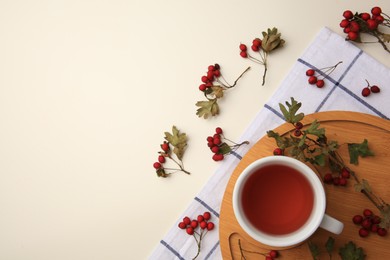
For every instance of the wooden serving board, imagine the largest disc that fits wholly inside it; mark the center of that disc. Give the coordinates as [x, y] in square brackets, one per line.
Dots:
[342, 202]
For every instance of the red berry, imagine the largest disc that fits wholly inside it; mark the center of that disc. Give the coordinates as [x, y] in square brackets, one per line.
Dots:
[218, 157]
[278, 151]
[157, 165]
[215, 149]
[352, 36]
[382, 232]
[161, 159]
[348, 14]
[205, 79]
[312, 80]
[273, 253]
[165, 146]
[365, 16]
[375, 89]
[257, 42]
[343, 182]
[209, 139]
[211, 68]
[328, 178]
[210, 75]
[345, 173]
[203, 224]
[366, 223]
[190, 231]
[210, 226]
[297, 132]
[376, 220]
[357, 219]
[344, 23]
[243, 54]
[374, 228]
[202, 87]
[207, 215]
[217, 73]
[182, 225]
[298, 125]
[243, 47]
[376, 10]
[367, 213]
[194, 223]
[363, 232]
[268, 257]
[379, 19]
[366, 92]
[355, 27]
[255, 48]
[310, 72]
[320, 83]
[372, 24]
[347, 30]
[217, 141]
[216, 66]
[218, 130]
[200, 218]
[336, 181]
[186, 220]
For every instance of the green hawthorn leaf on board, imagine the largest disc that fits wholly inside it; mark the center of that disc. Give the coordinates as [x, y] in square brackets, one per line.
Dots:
[319, 159]
[314, 129]
[207, 108]
[329, 245]
[355, 150]
[178, 141]
[281, 142]
[217, 91]
[315, 252]
[351, 252]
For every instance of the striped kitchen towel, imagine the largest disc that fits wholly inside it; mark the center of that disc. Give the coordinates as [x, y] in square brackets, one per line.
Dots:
[342, 91]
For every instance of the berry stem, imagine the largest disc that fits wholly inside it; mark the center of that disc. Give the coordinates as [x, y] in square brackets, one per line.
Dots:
[181, 166]
[265, 68]
[376, 34]
[235, 82]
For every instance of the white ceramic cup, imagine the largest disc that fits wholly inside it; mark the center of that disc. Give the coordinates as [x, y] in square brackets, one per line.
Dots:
[317, 217]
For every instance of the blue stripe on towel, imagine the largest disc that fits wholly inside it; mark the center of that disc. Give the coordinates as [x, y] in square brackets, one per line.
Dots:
[207, 206]
[171, 249]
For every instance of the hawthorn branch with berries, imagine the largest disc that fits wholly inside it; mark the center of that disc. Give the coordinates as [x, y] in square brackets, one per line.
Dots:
[312, 145]
[271, 40]
[355, 24]
[213, 87]
[177, 141]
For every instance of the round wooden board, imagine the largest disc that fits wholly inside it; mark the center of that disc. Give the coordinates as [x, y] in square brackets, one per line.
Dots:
[342, 202]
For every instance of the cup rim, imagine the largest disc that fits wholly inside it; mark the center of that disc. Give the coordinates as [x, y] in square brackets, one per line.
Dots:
[311, 224]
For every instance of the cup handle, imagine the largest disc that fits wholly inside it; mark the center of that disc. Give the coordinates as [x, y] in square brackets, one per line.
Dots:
[331, 224]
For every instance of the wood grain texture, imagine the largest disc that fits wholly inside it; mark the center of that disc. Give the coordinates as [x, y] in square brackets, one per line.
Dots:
[342, 202]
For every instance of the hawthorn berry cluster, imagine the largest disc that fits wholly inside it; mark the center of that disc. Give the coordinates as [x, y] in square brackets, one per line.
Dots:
[369, 222]
[219, 146]
[318, 80]
[213, 87]
[271, 41]
[337, 179]
[197, 227]
[366, 91]
[355, 24]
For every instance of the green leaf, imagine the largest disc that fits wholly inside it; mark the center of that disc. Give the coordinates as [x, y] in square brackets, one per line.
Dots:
[217, 91]
[351, 252]
[290, 113]
[356, 150]
[281, 142]
[207, 108]
[224, 148]
[320, 159]
[329, 245]
[178, 141]
[315, 252]
[161, 173]
[314, 129]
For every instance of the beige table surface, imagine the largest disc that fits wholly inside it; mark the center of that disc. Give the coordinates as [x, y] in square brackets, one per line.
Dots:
[87, 89]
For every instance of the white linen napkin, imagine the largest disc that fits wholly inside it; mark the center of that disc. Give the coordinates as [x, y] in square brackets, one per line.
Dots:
[342, 91]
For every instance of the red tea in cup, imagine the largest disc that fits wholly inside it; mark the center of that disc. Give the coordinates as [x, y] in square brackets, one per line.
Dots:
[277, 199]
